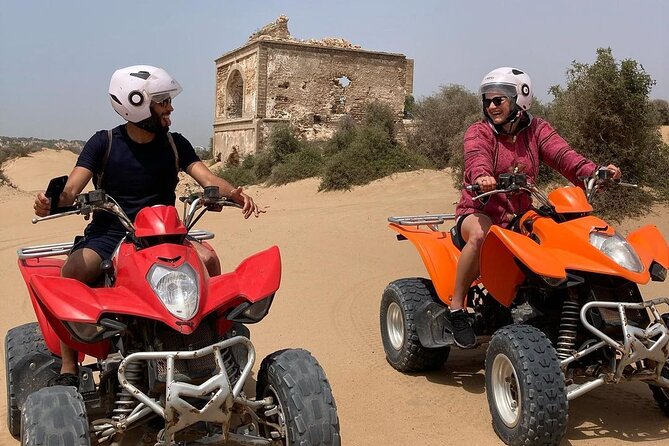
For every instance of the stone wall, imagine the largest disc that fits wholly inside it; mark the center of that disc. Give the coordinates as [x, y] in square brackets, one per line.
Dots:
[314, 87]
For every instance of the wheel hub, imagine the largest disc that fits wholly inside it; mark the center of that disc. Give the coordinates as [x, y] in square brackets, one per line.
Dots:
[506, 389]
[395, 325]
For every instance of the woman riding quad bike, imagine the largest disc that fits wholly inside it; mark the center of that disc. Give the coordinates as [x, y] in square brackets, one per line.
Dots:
[557, 300]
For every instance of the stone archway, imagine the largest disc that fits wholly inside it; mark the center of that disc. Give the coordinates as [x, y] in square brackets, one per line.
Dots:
[235, 95]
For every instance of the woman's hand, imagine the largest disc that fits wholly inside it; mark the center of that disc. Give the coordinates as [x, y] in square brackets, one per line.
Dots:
[486, 183]
[615, 171]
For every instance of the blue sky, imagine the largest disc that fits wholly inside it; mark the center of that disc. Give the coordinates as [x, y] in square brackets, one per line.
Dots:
[56, 57]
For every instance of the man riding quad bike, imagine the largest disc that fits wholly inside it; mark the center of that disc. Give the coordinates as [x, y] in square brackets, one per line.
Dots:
[171, 354]
[557, 301]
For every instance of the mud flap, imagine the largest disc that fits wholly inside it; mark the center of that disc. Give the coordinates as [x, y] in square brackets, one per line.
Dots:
[32, 373]
[433, 326]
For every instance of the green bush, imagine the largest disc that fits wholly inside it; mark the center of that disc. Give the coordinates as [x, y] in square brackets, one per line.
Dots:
[370, 156]
[441, 119]
[237, 175]
[661, 109]
[605, 114]
[306, 163]
[283, 142]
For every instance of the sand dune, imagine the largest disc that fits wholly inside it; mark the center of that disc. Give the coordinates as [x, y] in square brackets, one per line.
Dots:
[338, 256]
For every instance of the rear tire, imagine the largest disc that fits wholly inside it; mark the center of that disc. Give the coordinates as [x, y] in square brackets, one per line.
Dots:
[20, 343]
[401, 299]
[54, 416]
[306, 407]
[525, 387]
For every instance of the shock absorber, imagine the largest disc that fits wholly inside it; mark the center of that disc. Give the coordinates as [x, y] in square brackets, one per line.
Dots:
[231, 366]
[568, 328]
[124, 402]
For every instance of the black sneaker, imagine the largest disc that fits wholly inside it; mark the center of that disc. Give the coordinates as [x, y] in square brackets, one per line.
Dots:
[463, 333]
[64, 379]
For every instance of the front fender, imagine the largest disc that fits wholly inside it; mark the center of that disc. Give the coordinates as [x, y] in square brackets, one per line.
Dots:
[439, 256]
[650, 245]
[500, 273]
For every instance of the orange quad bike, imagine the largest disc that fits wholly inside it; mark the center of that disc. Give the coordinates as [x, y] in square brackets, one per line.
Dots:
[557, 300]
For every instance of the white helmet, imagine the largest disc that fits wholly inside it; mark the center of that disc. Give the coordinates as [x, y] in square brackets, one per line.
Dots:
[510, 82]
[132, 89]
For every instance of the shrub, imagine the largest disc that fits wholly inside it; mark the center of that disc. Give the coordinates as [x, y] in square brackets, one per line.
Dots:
[661, 110]
[605, 114]
[371, 155]
[283, 142]
[441, 119]
[306, 163]
[237, 175]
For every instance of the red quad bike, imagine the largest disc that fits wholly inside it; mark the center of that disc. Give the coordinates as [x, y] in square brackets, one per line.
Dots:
[557, 300]
[173, 353]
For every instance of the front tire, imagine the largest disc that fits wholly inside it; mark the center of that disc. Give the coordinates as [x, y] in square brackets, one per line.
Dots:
[525, 387]
[306, 408]
[399, 304]
[54, 416]
[21, 343]
[661, 394]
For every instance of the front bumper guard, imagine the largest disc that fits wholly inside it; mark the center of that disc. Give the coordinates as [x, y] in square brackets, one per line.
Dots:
[177, 412]
[638, 344]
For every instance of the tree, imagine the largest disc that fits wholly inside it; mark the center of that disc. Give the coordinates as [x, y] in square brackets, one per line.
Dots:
[441, 122]
[605, 114]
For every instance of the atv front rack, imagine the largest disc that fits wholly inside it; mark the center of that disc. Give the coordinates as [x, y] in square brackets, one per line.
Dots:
[649, 346]
[59, 249]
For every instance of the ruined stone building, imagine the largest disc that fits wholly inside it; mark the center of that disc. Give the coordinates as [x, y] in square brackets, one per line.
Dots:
[312, 85]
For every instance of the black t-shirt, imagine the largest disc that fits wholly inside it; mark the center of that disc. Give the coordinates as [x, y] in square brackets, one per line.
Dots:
[135, 175]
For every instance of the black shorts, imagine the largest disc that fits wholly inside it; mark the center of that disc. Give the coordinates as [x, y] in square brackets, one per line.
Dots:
[101, 240]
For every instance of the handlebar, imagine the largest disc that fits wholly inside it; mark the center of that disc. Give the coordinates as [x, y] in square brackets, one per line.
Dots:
[517, 182]
[209, 199]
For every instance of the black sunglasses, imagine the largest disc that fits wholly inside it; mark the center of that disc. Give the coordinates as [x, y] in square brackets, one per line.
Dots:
[497, 100]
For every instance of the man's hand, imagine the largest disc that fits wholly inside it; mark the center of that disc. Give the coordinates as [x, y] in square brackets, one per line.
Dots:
[42, 205]
[248, 206]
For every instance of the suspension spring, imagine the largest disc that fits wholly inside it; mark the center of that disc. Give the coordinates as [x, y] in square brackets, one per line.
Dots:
[231, 366]
[125, 403]
[568, 328]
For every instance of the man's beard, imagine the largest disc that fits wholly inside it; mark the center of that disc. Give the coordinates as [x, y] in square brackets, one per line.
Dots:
[153, 124]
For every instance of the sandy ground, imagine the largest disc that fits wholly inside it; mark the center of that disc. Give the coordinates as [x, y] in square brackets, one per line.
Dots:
[338, 255]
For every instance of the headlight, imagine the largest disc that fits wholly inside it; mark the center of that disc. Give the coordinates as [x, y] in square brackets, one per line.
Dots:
[177, 289]
[618, 249]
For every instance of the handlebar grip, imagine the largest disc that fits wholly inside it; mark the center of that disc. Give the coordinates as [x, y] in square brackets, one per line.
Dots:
[473, 188]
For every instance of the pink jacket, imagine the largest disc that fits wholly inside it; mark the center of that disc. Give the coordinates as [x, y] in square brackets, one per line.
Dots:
[490, 154]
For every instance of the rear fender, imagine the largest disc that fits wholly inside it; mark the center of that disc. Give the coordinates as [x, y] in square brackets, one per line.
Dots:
[500, 273]
[439, 256]
[650, 245]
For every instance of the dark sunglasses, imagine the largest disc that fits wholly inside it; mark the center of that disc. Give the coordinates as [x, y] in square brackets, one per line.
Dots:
[497, 100]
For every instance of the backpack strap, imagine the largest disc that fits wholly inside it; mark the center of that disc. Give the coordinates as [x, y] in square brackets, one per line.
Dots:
[174, 149]
[101, 172]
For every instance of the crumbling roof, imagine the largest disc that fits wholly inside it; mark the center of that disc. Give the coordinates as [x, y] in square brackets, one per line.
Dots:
[278, 30]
